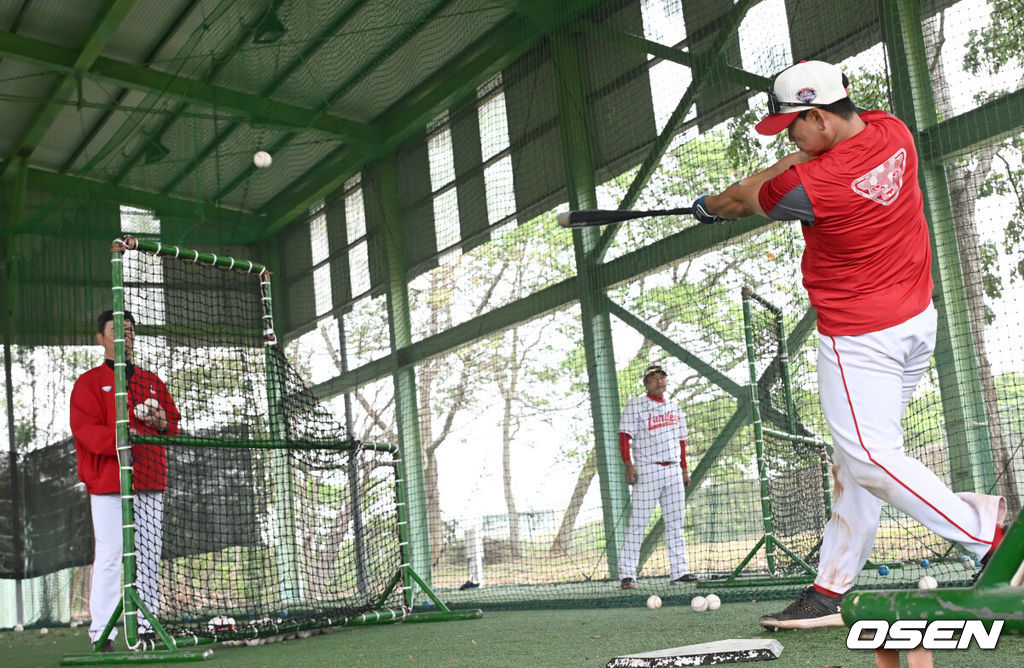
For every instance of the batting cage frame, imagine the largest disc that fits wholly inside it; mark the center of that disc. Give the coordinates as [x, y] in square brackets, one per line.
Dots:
[394, 603]
[788, 431]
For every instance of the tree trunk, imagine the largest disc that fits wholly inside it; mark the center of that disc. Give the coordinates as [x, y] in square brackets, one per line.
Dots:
[508, 394]
[563, 540]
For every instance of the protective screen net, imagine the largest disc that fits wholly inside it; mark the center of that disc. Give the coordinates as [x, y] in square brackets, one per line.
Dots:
[265, 516]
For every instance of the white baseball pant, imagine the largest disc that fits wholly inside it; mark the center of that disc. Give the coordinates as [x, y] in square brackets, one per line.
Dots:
[106, 570]
[865, 383]
[656, 484]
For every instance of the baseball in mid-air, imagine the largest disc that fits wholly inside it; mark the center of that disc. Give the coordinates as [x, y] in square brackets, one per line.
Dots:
[699, 603]
[927, 582]
[262, 159]
[653, 601]
[714, 603]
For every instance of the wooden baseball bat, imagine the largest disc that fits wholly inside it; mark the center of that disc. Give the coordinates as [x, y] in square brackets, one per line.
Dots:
[597, 217]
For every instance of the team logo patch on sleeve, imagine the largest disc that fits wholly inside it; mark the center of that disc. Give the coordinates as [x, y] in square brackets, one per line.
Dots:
[883, 183]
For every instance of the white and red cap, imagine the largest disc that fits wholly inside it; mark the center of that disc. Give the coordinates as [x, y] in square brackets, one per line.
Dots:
[806, 85]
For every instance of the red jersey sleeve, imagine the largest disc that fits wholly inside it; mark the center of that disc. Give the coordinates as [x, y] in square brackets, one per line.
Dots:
[773, 190]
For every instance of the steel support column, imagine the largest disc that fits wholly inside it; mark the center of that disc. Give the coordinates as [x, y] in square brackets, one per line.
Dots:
[597, 329]
[407, 416]
[970, 448]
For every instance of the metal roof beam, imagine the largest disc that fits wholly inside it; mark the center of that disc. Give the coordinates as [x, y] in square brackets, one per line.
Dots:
[128, 165]
[160, 204]
[754, 82]
[991, 122]
[257, 109]
[347, 84]
[106, 24]
[314, 45]
[107, 115]
[459, 78]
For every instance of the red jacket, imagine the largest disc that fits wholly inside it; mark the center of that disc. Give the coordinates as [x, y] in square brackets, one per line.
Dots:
[92, 425]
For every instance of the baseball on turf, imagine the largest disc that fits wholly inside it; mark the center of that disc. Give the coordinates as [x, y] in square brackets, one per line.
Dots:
[714, 603]
[653, 601]
[927, 582]
[262, 159]
[699, 603]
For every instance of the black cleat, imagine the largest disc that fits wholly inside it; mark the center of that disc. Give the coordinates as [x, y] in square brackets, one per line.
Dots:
[627, 583]
[689, 578]
[812, 610]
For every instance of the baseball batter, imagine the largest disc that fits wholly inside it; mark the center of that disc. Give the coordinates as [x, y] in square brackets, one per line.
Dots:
[656, 468]
[867, 270]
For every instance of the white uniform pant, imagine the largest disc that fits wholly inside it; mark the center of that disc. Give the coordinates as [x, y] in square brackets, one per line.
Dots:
[106, 569]
[865, 383]
[656, 484]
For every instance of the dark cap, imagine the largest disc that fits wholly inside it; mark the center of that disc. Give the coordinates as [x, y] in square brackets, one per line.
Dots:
[653, 369]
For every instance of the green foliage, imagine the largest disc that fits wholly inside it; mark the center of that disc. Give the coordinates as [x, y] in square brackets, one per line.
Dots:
[998, 44]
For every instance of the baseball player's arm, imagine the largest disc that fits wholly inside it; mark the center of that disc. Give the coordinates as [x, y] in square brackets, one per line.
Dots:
[87, 420]
[741, 198]
[624, 439]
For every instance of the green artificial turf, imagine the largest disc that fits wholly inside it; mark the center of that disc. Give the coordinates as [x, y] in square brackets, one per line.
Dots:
[524, 638]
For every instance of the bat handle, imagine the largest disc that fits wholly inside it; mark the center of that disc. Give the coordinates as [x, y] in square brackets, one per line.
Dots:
[563, 219]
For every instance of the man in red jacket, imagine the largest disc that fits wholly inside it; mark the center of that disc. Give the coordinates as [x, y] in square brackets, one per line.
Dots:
[867, 269]
[150, 411]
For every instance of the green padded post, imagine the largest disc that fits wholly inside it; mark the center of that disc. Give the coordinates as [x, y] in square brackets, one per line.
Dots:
[124, 447]
[755, 412]
[278, 461]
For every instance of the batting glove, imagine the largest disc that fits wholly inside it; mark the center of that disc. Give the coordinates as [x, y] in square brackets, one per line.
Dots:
[701, 213]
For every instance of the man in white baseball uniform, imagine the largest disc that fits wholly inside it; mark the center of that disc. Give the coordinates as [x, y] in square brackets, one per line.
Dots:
[867, 269]
[657, 471]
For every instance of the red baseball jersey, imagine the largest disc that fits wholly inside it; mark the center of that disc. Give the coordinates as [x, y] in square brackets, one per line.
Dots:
[93, 422]
[867, 261]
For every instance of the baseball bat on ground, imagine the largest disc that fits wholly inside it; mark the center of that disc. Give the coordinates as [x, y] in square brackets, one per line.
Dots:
[597, 217]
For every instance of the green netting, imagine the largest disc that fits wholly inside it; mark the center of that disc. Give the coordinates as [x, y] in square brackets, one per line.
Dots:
[433, 303]
[272, 516]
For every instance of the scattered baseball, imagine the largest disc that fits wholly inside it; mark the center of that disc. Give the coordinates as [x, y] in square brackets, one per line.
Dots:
[714, 603]
[883, 570]
[699, 603]
[43, 631]
[653, 601]
[262, 159]
[927, 582]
